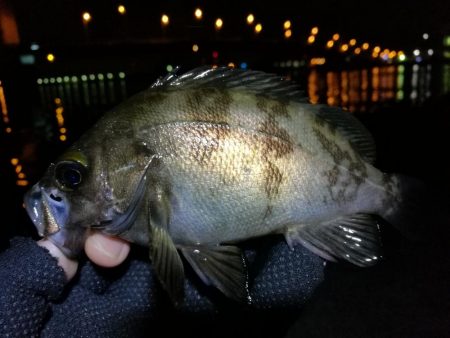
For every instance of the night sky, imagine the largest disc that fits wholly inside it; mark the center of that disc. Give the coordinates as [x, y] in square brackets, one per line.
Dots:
[392, 24]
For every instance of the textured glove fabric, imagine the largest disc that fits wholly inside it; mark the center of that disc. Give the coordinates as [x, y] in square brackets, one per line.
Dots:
[128, 301]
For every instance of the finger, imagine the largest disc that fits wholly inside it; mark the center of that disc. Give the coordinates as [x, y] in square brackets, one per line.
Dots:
[68, 265]
[105, 250]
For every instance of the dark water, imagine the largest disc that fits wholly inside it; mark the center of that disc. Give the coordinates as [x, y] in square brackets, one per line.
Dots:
[406, 107]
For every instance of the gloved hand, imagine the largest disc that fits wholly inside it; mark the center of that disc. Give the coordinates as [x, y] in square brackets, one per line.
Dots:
[128, 301]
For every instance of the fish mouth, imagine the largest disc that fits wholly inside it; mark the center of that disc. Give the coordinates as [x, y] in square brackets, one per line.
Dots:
[48, 209]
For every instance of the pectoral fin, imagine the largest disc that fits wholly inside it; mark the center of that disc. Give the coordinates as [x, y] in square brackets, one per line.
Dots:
[163, 253]
[220, 266]
[354, 238]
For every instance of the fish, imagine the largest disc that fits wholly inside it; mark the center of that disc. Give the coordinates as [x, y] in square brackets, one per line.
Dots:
[203, 161]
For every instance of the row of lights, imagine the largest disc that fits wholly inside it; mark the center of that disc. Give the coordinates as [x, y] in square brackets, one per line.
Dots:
[74, 79]
[18, 168]
[59, 110]
[4, 109]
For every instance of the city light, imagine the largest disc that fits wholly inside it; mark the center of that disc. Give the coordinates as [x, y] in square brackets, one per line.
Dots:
[121, 9]
[357, 51]
[317, 61]
[430, 52]
[377, 49]
[336, 37]
[164, 20]
[195, 48]
[425, 36]
[287, 24]
[169, 68]
[219, 24]
[330, 44]
[311, 39]
[14, 161]
[365, 46]
[250, 19]
[50, 57]
[416, 52]
[258, 28]
[231, 65]
[86, 16]
[315, 30]
[198, 13]
[401, 56]
[344, 47]
[352, 42]
[287, 33]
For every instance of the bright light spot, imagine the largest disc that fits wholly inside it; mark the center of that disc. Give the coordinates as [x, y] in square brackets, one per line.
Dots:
[84, 78]
[258, 28]
[425, 36]
[63, 137]
[50, 57]
[34, 46]
[357, 50]
[416, 52]
[62, 130]
[57, 100]
[243, 65]
[231, 65]
[169, 68]
[52, 80]
[344, 47]
[39, 81]
[14, 161]
[195, 48]
[287, 24]
[122, 75]
[45, 81]
[91, 77]
[365, 46]
[21, 175]
[352, 42]
[74, 79]
[164, 20]
[66, 79]
[215, 54]
[8, 130]
[392, 54]
[100, 76]
[22, 183]
[311, 39]
[288, 34]
[401, 57]
[315, 30]
[86, 17]
[110, 76]
[430, 52]
[198, 13]
[219, 24]
[377, 49]
[250, 19]
[330, 44]
[317, 61]
[59, 80]
[336, 37]
[121, 9]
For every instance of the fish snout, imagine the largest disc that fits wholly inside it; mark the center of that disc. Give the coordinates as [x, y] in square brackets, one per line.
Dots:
[48, 208]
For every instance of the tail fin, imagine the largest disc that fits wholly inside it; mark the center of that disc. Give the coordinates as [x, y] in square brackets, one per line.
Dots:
[413, 208]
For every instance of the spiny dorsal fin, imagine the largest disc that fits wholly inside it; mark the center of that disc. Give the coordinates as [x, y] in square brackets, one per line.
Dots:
[252, 81]
[353, 238]
[352, 129]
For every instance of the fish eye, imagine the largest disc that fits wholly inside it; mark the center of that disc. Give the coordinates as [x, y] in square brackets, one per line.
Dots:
[69, 174]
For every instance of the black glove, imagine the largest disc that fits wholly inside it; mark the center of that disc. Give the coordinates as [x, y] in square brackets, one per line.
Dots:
[128, 301]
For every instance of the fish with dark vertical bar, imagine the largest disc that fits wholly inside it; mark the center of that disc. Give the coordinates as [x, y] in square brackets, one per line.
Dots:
[204, 160]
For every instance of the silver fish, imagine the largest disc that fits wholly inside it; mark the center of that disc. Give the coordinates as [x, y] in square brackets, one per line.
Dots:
[200, 162]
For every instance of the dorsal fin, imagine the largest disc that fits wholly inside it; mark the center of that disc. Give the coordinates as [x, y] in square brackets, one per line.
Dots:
[352, 129]
[252, 81]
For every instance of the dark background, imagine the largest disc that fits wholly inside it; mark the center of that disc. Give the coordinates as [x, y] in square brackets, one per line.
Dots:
[406, 106]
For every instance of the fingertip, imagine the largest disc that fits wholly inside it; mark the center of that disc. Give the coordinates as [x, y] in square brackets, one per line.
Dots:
[68, 265]
[105, 250]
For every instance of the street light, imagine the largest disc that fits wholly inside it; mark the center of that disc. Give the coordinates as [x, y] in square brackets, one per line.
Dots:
[250, 19]
[121, 9]
[86, 16]
[165, 20]
[219, 24]
[198, 14]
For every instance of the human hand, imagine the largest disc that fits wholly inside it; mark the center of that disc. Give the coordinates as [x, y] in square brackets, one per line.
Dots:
[105, 251]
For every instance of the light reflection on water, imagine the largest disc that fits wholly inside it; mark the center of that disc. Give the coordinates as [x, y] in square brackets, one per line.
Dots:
[359, 90]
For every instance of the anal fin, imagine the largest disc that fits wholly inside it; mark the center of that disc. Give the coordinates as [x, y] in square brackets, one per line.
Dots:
[353, 238]
[221, 266]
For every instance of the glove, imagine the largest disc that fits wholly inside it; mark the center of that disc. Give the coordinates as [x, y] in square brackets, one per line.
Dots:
[129, 301]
